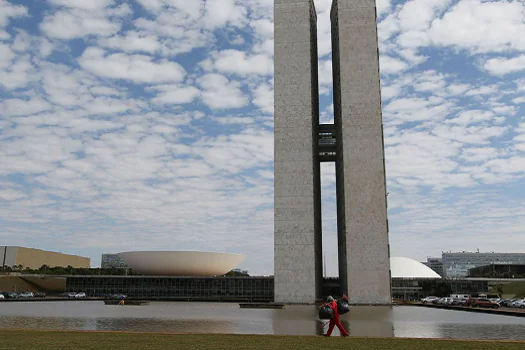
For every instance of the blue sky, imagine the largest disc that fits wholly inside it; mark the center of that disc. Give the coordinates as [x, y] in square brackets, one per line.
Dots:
[147, 124]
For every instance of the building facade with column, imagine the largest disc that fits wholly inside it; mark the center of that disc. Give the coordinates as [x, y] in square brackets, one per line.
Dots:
[354, 142]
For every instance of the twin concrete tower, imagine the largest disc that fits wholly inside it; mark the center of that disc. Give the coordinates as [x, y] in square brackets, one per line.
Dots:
[354, 142]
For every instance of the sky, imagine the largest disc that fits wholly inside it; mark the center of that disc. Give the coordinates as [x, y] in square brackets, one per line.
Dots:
[148, 125]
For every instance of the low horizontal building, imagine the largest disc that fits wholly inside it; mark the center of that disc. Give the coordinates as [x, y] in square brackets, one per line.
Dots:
[176, 288]
[35, 258]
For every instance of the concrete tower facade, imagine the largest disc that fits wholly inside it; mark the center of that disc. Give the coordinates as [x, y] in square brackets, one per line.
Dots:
[364, 265]
[297, 239]
[354, 142]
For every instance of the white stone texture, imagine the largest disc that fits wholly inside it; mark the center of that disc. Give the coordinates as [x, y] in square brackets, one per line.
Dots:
[295, 170]
[361, 169]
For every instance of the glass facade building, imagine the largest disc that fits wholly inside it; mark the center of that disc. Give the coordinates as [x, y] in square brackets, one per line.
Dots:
[256, 289]
[176, 288]
[457, 265]
[112, 261]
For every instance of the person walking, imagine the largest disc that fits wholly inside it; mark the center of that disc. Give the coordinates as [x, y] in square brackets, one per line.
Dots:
[334, 321]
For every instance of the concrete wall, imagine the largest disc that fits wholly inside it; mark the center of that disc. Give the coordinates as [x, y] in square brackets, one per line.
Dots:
[35, 258]
[47, 284]
[297, 230]
[8, 255]
[360, 169]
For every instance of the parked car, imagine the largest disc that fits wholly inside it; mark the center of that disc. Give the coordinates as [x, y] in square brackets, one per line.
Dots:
[481, 302]
[74, 295]
[444, 301]
[463, 301]
[26, 295]
[458, 301]
[428, 299]
[519, 304]
[514, 303]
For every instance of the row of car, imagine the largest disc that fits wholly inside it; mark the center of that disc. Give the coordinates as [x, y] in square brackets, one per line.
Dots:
[476, 302]
[515, 303]
[74, 295]
[70, 295]
[21, 295]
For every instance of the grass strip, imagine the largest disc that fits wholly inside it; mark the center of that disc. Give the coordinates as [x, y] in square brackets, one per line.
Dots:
[76, 340]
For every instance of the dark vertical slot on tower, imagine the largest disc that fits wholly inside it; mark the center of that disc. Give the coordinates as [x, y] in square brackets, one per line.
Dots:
[318, 230]
[339, 168]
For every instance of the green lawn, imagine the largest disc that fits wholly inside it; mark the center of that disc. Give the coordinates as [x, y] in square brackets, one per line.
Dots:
[512, 290]
[63, 340]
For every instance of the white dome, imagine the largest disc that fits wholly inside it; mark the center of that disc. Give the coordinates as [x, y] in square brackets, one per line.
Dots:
[173, 263]
[409, 268]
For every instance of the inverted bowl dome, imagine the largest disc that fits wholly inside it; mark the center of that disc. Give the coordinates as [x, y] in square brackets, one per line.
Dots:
[401, 267]
[181, 263]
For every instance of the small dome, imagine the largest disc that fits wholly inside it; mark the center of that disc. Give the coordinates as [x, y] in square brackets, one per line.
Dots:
[409, 268]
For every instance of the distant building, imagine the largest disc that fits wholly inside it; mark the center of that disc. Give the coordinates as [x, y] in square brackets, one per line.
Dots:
[498, 271]
[112, 261]
[35, 258]
[456, 265]
[435, 264]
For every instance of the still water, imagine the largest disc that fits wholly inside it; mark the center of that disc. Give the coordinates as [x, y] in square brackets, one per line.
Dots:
[397, 321]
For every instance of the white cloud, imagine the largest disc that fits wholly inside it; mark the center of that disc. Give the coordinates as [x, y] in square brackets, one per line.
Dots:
[220, 93]
[263, 98]
[80, 22]
[481, 154]
[238, 62]
[383, 6]
[483, 90]
[19, 107]
[415, 18]
[502, 66]
[481, 26]
[458, 89]
[404, 110]
[391, 65]
[104, 90]
[175, 94]
[9, 10]
[17, 74]
[132, 42]
[84, 5]
[9, 194]
[193, 9]
[219, 13]
[508, 110]
[519, 100]
[471, 117]
[325, 77]
[137, 68]
[178, 28]
[263, 28]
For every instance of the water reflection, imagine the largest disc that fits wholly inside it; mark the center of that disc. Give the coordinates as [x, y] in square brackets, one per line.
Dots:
[371, 321]
[229, 318]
